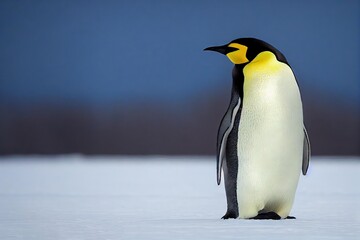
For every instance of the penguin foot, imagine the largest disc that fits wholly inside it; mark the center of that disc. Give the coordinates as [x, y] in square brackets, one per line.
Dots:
[229, 214]
[268, 215]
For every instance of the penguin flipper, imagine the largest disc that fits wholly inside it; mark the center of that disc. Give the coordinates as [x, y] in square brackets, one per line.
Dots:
[306, 153]
[225, 128]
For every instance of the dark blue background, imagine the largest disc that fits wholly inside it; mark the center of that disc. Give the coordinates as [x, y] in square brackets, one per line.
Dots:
[127, 54]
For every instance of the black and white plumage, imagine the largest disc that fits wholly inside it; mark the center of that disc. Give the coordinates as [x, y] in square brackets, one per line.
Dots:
[262, 144]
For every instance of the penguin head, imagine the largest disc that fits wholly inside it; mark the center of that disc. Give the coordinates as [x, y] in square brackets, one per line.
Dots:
[243, 50]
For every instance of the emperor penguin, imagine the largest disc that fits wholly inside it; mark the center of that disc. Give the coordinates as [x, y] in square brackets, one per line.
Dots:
[262, 144]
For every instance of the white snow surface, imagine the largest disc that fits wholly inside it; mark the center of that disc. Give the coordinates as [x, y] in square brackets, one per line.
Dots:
[78, 197]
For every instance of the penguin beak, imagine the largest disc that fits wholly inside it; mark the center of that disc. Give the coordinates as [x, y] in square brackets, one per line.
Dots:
[225, 49]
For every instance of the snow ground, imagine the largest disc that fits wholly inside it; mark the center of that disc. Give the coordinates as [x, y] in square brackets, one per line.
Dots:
[73, 197]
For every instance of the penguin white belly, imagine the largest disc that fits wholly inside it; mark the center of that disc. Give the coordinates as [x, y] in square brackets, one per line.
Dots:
[270, 140]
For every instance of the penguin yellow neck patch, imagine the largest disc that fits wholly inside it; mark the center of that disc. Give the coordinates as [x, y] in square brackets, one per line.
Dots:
[264, 62]
[238, 56]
